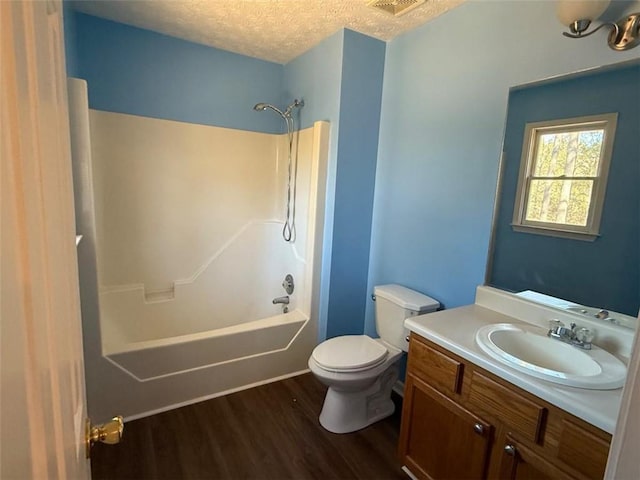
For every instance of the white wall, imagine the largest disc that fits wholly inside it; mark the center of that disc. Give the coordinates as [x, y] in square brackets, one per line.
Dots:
[168, 194]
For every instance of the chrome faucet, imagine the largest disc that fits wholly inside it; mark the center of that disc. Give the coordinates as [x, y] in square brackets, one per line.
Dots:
[577, 336]
[284, 300]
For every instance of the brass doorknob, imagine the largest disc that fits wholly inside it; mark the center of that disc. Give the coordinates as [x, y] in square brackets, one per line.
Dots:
[110, 433]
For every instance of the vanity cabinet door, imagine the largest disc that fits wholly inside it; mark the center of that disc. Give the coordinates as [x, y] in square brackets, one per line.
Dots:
[519, 463]
[439, 438]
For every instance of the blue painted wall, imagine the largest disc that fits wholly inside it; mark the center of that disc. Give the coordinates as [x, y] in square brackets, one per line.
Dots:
[341, 81]
[360, 102]
[443, 113]
[316, 76]
[136, 71]
[605, 272]
[70, 39]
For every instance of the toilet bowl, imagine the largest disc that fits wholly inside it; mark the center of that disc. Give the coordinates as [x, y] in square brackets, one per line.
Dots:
[358, 395]
[361, 371]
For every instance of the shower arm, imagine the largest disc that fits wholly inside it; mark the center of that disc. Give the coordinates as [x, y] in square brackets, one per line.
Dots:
[296, 103]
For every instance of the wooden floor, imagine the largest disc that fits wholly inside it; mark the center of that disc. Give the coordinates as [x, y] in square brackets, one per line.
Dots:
[267, 432]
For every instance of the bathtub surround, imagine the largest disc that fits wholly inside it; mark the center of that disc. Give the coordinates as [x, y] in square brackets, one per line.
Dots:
[193, 199]
[138, 72]
[193, 279]
[196, 322]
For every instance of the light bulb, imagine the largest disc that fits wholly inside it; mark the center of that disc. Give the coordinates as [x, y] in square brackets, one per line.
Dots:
[570, 11]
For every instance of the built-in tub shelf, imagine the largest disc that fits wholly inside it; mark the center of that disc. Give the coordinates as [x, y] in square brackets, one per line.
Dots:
[259, 235]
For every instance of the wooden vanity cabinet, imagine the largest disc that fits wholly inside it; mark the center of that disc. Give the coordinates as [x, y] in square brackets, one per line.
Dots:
[456, 443]
[517, 462]
[462, 422]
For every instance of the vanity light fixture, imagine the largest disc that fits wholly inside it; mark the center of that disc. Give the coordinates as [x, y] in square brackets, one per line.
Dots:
[578, 15]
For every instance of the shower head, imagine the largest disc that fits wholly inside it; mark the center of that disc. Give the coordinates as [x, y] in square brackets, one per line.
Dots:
[260, 107]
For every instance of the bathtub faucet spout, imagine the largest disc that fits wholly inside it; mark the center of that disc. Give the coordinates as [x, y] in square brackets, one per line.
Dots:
[284, 300]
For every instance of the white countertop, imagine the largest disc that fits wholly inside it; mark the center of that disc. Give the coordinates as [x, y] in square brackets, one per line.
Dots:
[455, 330]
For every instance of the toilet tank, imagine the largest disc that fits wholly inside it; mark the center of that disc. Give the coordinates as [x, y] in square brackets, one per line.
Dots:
[394, 303]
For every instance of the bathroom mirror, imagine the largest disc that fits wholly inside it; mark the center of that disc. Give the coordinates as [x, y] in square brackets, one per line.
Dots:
[588, 275]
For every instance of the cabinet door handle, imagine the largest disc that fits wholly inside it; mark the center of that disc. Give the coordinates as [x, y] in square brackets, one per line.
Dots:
[510, 450]
[478, 428]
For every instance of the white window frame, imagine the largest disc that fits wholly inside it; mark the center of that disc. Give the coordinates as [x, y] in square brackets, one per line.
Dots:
[591, 231]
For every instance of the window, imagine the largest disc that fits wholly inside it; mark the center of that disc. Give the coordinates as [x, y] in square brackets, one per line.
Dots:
[563, 176]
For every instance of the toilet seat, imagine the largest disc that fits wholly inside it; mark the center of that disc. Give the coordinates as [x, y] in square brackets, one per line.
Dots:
[349, 353]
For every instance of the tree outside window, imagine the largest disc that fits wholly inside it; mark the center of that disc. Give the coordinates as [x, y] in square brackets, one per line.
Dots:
[563, 176]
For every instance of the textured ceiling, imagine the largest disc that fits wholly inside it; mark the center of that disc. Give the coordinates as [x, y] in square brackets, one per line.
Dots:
[274, 30]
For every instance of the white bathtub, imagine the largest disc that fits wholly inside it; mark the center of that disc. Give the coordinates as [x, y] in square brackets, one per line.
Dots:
[157, 358]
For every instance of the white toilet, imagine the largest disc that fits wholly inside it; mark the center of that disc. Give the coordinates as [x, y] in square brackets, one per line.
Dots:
[359, 370]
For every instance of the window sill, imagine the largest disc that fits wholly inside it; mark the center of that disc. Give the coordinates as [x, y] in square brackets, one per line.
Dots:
[554, 232]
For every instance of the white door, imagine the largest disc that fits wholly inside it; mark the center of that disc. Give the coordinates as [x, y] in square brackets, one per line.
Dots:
[42, 402]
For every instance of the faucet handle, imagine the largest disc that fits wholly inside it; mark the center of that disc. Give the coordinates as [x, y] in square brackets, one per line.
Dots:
[584, 335]
[555, 323]
[556, 328]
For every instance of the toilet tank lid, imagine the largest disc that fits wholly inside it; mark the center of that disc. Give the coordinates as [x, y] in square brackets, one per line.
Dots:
[406, 298]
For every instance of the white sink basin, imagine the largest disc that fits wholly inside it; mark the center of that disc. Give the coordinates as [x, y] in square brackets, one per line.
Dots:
[529, 350]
